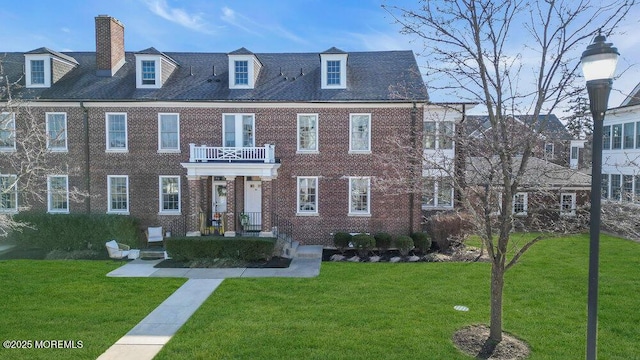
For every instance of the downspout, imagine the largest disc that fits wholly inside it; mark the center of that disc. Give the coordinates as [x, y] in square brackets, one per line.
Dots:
[412, 160]
[87, 158]
[460, 156]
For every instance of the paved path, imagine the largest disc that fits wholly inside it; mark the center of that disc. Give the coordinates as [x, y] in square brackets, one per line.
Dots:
[147, 338]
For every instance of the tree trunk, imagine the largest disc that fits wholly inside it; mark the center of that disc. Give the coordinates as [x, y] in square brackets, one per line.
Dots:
[497, 285]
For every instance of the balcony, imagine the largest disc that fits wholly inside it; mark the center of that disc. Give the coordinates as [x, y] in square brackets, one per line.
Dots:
[264, 154]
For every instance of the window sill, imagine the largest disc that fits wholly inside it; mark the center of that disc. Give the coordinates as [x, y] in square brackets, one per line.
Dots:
[363, 152]
[307, 152]
[115, 151]
[168, 151]
[437, 207]
[7, 150]
[58, 150]
[118, 212]
[58, 211]
[170, 213]
[359, 214]
[307, 214]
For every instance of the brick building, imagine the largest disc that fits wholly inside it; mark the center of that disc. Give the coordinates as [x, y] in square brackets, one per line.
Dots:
[222, 142]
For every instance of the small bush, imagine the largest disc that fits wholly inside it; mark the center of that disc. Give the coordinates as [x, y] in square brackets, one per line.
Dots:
[446, 229]
[195, 248]
[75, 255]
[404, 244]
[421, 241]
[341, 240]
[383, 240]
[363, 243]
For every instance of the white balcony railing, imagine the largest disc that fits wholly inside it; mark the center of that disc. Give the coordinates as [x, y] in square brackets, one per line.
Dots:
[204, 153]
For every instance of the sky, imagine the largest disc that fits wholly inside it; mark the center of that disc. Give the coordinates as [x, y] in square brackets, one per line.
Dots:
[258, 25]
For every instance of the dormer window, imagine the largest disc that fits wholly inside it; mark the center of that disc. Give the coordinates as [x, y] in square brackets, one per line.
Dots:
[44, 67]
[334, 69]
[244, 68]
[37, 72]
[148, 72]
[241, 72]
[153, 68]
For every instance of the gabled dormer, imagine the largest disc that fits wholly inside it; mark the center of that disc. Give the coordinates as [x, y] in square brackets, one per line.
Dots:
[244, 68]
[44, 67]
[153, 68]
[334, 69]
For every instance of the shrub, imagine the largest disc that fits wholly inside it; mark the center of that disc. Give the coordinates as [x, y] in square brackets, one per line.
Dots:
[70, 232]
[383, 240]
[421, 241]
[363, 243]
[404, 244]
[446, 229]
[242, 248]
[341, 240]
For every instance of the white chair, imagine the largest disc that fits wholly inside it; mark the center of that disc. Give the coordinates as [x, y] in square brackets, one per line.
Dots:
[117, 250]
[155, 235]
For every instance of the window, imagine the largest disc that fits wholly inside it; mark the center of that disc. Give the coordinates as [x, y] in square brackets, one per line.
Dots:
[548, 151]
[568, 204]
[616, 186]
[241, 72]
[170, 194]
[605, 186]
[333, 72]
[520, 203]
[627, 188]
[37, 72]
[307, 133]
[429, 135]
[437, 193]
[7, 132]
[606, 137]
[437, 135]
[58, 193]
[629, 135]
[446, 135]
[148, 72]
[360, 133]
[8, 193]
[637, 188]
[638, 135]
[616, 136]
[307, 195]
[57, 131]
[116, 132]
[574, 153]
[168, 133]
[359, 197]
[238, 130]
[118, 193]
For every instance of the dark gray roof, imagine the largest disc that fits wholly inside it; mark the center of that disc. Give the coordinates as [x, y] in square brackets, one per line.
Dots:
[44, 50]
[371, 76]
[547, 124]
[334, 50]
[241, 51]
[154, 51]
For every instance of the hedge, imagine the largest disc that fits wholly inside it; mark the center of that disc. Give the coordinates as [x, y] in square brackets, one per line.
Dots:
[243, 248]
[70, 232]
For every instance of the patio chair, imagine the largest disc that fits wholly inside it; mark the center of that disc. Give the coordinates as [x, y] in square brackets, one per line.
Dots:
[117, 250]
[155, 236]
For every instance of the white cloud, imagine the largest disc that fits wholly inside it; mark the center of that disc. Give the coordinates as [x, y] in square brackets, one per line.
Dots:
[178, 16]
[252, 27]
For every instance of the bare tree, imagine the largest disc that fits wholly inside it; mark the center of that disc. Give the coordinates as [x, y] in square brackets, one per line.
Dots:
[512, 57]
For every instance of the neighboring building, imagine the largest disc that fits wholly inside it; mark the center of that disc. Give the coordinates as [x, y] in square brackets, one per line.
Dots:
[229, 142]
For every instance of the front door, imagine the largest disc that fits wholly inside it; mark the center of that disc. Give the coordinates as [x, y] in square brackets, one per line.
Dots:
[251, 219]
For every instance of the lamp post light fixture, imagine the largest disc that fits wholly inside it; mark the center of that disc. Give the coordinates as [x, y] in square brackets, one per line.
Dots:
[598, 65]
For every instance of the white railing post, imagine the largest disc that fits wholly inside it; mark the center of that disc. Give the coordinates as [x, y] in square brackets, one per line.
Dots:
[192, 157]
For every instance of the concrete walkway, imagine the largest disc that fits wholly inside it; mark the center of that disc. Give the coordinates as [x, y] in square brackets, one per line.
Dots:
[147, 338]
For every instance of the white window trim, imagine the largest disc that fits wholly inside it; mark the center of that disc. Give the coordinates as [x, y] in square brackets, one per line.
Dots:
[573, 205]
[160, 148]
[525, 201]
[117, 211]
[158, 71]
[66, 139]
[308, 151]
[238, 126]
[126, 133]
[250, 59]
[162, 211]
[351, 150]
[50, 209]
[47, 70]
[306, 212]
[324, 58]
[15, 189]
[13, 119]
[360, 213]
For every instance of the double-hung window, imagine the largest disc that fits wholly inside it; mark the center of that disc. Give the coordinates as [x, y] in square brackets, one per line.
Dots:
[7, 131]
[437, 135]
[616, 186]
[307, 195]
[148, 72]
[117, 132]
[307, 133]
[168, 133]
[333, 72]
[8, 193]
[37, 72]
[359, 196]
[58, 193]
[616, 136]
[360, 133]
[606, 137]
[429, 135]
[605, 186]
[627, 188]
[520, 203]
[170, 194]
[118, 194]
[629, 135]
[241, 72]
[437, 193]
[57, 131]
[567, 204]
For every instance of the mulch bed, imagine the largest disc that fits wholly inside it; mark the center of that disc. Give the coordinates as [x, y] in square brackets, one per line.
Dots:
[274, 262]
[472, 341]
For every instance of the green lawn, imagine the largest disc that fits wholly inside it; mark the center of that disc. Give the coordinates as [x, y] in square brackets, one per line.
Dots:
[72, 300]
[402, 311]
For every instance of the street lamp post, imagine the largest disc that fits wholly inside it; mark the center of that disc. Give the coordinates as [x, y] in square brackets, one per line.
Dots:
[598, 65]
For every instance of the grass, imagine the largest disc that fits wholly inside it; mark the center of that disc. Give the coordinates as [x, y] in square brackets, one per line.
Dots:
[72, 300]
[400, 311]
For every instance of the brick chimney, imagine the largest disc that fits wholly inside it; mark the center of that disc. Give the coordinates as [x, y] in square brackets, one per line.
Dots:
[109, 45]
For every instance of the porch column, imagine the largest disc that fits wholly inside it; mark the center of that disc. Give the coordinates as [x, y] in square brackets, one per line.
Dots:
[230, 216]
[196, 199]
[267, 192]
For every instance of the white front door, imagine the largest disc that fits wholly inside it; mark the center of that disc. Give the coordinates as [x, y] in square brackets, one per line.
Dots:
[253, 205]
